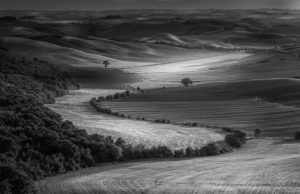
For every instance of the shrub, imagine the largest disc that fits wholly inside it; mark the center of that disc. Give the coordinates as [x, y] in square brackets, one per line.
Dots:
[14, 180]
[210, 150]
[127, 93]
[117, 95]
[236, 139]
[8, 145]
[162, 151]
[233, 141]
[189, 152]
[297, 135]
[179, 153]
[100, 99]
[257, 132]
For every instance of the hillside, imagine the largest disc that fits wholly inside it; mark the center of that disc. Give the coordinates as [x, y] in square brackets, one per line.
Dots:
[36, 142]
[254, 169]
[244, 105]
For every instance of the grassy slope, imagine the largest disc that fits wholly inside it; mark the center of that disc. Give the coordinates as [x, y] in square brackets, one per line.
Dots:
[272, 105]
[263, 166]
[75, 107]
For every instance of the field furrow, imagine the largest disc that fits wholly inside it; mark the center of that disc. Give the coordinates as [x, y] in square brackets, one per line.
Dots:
[263, 166]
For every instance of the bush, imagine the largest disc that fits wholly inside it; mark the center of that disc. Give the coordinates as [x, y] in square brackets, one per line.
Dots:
[127, 93]
[236, 139]
[210, 150]
[189, 152]
[297, 135]
[257, 132]
[179, 153]
[15, 181]
[233, 141]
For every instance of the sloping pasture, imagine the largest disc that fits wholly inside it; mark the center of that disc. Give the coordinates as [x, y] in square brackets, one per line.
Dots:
[271, 105]
[263, 166]
[75, 107]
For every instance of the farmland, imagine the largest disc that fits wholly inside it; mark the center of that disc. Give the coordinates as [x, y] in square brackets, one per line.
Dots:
[75, 107]
[271, 105]
[263, 166]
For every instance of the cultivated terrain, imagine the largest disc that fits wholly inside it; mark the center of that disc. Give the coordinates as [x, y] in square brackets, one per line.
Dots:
[245, 68]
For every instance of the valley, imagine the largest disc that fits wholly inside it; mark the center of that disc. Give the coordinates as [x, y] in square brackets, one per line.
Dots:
[245, 68]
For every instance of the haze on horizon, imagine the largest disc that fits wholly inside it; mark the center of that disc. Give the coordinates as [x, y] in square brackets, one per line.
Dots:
[146, 4]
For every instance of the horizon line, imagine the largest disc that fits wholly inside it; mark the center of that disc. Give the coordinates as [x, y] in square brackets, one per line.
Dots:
[152, 9]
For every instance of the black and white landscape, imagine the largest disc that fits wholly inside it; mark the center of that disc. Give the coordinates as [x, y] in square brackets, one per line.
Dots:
[150, 97]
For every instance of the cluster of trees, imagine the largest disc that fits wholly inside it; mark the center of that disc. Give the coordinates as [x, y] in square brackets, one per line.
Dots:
[162, 121]
[233, 140]
[97, 105]
[27, 128]
[37, 78]
[191, 124]
[117, 95]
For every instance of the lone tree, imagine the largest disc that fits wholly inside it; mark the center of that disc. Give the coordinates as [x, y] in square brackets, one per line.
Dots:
[106, 63]
[186, 82]
[257, 132]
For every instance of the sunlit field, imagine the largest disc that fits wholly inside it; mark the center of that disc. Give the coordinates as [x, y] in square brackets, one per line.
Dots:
[75, 107]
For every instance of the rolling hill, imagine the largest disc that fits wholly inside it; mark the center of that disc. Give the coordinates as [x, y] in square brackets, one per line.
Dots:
[271, 105]
[253, 169]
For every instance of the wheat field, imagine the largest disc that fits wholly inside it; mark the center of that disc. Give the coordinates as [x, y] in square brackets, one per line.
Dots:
[75, 107]
[262, 166]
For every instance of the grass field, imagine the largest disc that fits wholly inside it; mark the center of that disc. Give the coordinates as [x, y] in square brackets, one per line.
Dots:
[75, 107]
[271, 105]
[263, 166]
